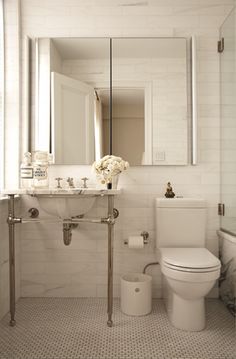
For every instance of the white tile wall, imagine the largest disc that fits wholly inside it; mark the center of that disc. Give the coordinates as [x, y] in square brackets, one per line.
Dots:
[49, 268]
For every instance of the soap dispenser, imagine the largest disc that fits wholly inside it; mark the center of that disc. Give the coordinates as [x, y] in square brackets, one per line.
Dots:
[26, 172]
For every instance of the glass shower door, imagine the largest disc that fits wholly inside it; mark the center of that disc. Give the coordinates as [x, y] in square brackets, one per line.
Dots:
[228, 124]
[228, 162]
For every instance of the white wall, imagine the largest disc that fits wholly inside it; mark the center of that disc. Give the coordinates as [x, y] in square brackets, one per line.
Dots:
[50, 269]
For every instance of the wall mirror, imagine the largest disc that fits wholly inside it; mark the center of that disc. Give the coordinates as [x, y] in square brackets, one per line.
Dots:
[69, 74]
[125, 96]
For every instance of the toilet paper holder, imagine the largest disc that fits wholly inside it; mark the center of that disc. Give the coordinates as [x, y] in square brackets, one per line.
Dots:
[145, 236]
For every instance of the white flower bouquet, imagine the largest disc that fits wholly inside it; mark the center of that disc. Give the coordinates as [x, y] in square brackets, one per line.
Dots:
[108, 167]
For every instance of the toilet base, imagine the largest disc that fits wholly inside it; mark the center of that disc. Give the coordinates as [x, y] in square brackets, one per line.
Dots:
[186, 314]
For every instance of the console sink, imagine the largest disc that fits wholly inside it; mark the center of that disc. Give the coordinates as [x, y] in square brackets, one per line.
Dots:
[67, 203]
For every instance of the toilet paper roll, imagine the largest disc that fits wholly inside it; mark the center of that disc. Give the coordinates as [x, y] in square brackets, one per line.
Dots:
[135, 242]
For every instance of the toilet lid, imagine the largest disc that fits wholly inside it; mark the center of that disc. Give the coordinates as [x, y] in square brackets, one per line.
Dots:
[194, 258]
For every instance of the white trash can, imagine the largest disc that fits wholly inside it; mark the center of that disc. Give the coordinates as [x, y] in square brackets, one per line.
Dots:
[136, 294]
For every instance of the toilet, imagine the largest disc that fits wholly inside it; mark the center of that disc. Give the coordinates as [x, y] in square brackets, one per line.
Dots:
[189, 270]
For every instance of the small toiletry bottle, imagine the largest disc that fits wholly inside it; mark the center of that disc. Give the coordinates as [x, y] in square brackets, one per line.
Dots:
[40, 165]
[26, 172]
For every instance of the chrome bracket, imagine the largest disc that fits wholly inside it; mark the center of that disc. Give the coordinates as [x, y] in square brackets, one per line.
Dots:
[108, 220]
[145, 236]
[221, 209]
[116, 213]
[13, 220]
[221, 45]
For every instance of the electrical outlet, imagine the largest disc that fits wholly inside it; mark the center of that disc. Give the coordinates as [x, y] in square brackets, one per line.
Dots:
[160, 156]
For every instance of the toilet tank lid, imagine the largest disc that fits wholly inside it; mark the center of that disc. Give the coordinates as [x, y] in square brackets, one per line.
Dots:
[180, 202]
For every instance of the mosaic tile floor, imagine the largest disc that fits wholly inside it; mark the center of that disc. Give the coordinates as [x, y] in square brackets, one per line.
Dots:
[73, 328]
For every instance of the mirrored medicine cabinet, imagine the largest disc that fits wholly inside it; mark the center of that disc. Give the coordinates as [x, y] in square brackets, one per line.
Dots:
[124, 96]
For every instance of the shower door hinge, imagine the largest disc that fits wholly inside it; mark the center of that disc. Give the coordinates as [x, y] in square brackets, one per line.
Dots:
[221, 209]
[221, 45]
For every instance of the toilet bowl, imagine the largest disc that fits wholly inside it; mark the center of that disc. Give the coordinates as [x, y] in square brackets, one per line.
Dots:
[188, 269]
[187, 283]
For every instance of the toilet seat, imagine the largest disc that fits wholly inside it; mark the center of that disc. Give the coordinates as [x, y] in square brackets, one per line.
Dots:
[190, 276]
[191, 260]
[191, 270]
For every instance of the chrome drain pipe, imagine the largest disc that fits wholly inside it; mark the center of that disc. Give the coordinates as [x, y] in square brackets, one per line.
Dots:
[67, 234]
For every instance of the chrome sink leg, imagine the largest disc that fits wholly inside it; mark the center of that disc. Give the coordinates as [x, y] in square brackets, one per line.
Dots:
[110, 224]
[11, 226]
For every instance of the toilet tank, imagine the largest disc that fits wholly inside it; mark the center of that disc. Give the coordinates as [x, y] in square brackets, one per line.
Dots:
[180, 222]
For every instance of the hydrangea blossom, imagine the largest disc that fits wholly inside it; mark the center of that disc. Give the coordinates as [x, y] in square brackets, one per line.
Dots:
[108, 167]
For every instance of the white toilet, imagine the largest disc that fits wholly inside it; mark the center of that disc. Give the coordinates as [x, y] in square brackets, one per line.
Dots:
[189, 269]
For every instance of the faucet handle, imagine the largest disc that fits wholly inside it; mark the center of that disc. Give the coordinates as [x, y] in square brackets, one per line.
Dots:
[85, 179]
[58, 179]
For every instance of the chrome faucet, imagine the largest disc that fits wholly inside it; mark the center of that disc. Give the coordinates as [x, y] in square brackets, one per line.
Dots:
[59, 179]
[70, 181]
[84, 179]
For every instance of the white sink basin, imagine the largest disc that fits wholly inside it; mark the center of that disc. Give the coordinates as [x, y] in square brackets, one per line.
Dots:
[67, 203]
[66, 206]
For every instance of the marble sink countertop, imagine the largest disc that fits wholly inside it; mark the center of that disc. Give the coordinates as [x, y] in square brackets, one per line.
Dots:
[62, 191]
